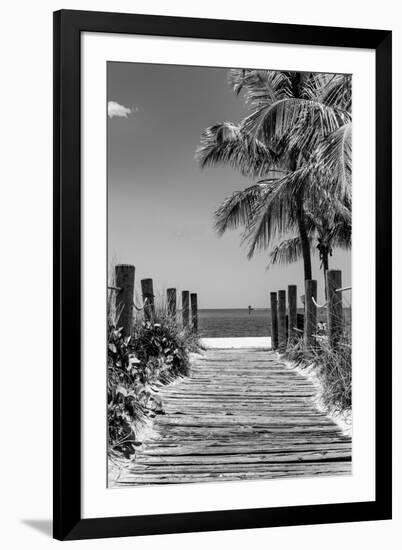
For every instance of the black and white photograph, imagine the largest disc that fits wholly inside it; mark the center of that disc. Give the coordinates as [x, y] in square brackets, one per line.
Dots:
[229, 274]
[201, 278]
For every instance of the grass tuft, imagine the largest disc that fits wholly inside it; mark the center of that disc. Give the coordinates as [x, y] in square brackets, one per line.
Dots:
[333, 367]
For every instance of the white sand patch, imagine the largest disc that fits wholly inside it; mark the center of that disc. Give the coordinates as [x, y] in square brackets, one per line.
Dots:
[236, 343]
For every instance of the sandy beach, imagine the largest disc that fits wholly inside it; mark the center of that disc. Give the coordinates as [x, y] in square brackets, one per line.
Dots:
[236, 343]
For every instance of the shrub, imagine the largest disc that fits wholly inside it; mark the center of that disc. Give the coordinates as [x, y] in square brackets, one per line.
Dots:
[163, 348]
[125, 407]
[156, 353]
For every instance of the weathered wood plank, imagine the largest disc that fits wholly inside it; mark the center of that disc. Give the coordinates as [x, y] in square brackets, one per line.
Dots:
[239, 449]
[190, 475]
[246, 458]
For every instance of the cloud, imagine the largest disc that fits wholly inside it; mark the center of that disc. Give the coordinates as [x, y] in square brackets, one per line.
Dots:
[115, 109]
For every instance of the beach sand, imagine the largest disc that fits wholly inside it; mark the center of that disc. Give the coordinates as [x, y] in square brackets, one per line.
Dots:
[237, 343]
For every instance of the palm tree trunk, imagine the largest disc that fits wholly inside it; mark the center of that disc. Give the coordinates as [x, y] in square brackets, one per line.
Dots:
[305, 243]
[301, 221]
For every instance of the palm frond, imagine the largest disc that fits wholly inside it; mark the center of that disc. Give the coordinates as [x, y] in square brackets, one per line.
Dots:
[238, 209]
[321, 203]
[274, 215]
[274, 121]
[343, 236]
[258, 84]
[333, 161]
[226, 143]
[331, 89]
[286, 252]
[338, 92]
[237, 79]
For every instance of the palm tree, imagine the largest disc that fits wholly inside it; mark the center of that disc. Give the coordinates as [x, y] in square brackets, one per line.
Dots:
[297, 120]
[292, 114]
[322, 235]
[329, 220]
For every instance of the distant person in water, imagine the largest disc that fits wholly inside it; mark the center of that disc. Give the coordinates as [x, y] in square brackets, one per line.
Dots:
[250, 309]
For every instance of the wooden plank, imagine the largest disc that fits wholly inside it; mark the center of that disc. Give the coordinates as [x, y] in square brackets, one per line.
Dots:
[246, 458]
[190, 475]
[227, 420]
[239, 452]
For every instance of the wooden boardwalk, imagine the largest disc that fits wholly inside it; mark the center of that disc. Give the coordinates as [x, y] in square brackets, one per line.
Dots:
[241, 414]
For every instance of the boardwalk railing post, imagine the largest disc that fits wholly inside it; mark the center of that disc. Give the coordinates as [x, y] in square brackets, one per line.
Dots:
[300, 322]
[171, 302]
[282, 320]
[185, 306]
[274, 320]
[335, 308]
[147, 288]
[292, 306]
[124, 275]
[310, 309]
[194, 311]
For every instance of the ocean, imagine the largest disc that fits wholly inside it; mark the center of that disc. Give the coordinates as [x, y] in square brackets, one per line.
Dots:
[238, 322]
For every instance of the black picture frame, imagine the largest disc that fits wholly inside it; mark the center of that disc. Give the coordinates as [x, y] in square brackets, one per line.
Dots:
[68, 522]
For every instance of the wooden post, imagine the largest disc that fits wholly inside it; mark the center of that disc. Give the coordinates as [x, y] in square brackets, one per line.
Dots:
[310, 319]
[185, 306]
[335, 308]
[194, 312]
[292, 306]
[282, 320]
[124, 275]
[300, 322]
[147, 288]
[274, 320]
[171, 302]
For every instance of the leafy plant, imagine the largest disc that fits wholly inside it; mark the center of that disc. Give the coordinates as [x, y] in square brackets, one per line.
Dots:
[124, 406]
[163, 348]
[155, 354]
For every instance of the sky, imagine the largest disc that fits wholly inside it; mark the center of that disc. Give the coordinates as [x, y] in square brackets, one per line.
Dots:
[161, 204]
